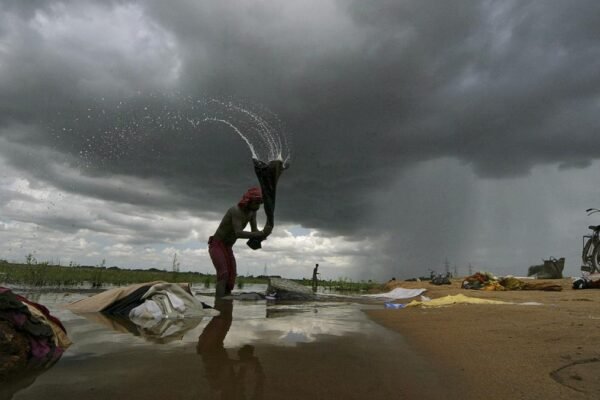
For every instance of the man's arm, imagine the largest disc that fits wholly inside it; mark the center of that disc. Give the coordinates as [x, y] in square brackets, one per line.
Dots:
[253, 226]
[238, 227]
[266, 230]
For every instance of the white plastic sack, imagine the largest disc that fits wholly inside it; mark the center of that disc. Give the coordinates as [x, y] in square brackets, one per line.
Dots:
[147, 310]
[397, 293]
[167, 300]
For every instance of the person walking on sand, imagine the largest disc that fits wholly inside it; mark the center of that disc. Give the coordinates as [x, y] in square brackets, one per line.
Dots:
[231, 228]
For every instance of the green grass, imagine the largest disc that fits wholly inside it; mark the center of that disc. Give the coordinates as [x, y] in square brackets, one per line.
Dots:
[343, 285]
[45, 274]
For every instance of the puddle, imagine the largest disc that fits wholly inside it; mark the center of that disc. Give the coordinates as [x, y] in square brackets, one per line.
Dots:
[253, 350]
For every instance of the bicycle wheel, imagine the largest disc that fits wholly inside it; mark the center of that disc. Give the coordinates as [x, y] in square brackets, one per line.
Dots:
[596, 259]
[588, 250]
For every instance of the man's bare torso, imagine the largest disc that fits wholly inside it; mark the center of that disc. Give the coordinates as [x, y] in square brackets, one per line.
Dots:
[235, 219]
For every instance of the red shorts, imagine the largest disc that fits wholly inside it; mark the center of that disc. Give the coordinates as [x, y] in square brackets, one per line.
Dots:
[224, 261]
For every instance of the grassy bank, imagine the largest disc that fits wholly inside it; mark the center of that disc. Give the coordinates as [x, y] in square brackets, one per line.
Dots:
[343, 285]
[47, 275]
[44, 274]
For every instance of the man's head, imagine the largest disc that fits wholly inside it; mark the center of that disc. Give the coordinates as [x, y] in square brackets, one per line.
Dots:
[252, 199]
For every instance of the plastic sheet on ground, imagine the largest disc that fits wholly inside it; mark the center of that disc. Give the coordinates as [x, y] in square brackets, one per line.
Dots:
[398, 293]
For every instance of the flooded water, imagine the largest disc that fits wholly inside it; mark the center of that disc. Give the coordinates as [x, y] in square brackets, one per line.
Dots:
[252, 350]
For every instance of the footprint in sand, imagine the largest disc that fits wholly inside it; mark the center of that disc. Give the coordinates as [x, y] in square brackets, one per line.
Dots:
[580, 375]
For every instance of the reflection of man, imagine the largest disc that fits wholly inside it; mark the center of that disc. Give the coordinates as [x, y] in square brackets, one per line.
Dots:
[250, 375]
[230, 229]
[219, 368]
[234, 379]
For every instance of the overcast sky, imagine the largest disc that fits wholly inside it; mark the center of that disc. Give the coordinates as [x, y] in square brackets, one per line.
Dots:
[419, 132]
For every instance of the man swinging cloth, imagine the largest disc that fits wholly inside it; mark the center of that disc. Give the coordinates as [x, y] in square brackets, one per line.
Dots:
[230, 229]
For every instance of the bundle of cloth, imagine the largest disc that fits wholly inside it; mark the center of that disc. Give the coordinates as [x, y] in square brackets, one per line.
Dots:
[268, 175]
[587, 282]
[30, 337]
[487, 281]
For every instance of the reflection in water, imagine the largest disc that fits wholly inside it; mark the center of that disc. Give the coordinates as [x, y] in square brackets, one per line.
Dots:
[18, 367]
[241, 378]
[11, 385]
[161, 331]
[318, 350]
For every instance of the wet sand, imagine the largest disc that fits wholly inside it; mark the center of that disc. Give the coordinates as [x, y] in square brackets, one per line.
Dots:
[548, 351]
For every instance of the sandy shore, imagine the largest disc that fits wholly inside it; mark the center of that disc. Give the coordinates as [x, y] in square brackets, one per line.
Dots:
[548, 351]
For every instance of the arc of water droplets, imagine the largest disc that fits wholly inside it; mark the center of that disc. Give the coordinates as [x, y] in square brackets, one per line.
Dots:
[264, 128]
[237, 131]
[273, 141]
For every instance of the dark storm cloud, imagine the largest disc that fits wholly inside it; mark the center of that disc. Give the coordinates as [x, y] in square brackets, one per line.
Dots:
[368, 89]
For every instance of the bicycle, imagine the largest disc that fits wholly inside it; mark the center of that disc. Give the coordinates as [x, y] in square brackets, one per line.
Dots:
[591, 247]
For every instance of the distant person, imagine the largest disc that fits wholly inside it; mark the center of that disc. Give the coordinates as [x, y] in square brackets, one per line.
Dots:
[315, 279]
[230, 229]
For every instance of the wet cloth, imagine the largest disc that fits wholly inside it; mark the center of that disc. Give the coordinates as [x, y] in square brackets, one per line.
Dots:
[586, 283]
[511, 283]
[32, 322]
[486, 281]
[268, 175]
[479, 280]
[14, 350]
[16, 312]
[61, 339]
[43, 311]
[224, 261]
